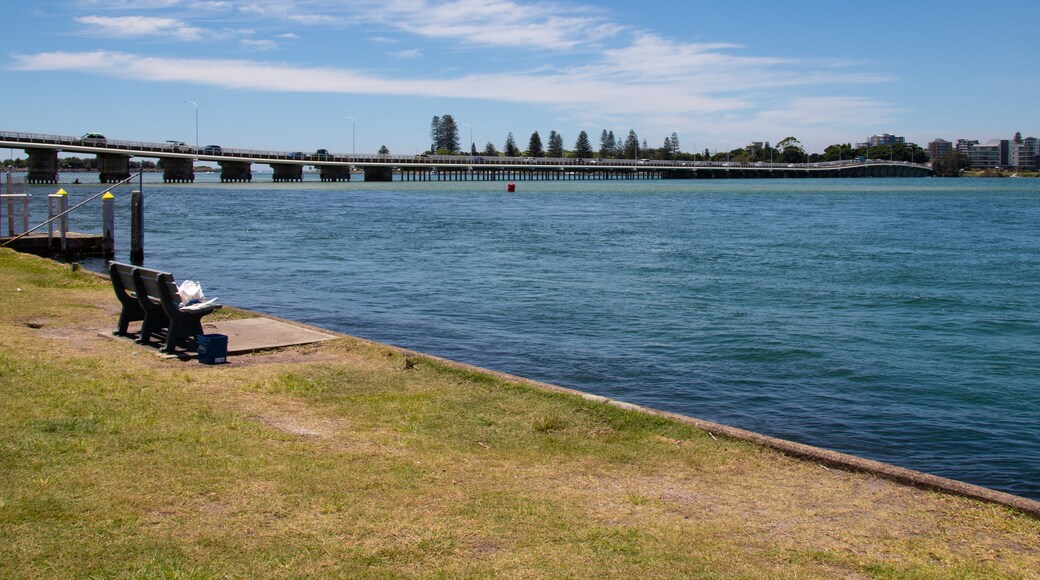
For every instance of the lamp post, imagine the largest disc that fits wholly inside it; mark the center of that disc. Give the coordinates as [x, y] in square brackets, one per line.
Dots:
[196, 105]
[470, 136]
[353, 135]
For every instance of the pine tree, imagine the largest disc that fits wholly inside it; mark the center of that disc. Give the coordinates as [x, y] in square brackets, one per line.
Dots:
[582, 147]
[675, 143]
[489, 150]
[449, 135]
[383, 150]
[435, 133]
[607, 144]
[534, 146]
[555, 145]
[510, 148]
[631, 145]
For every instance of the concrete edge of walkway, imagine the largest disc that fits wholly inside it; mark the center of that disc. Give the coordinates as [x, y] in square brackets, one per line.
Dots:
[821, 455]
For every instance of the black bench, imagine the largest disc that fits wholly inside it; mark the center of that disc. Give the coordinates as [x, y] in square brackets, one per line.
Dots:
[122, 276]
[158, 305]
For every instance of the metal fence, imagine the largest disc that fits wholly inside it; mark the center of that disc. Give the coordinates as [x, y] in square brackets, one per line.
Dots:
[34, 208]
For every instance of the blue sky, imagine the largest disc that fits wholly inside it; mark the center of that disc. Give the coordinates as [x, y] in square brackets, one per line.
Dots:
[283, 74]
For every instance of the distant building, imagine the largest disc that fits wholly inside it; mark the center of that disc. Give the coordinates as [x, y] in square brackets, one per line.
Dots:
[754, 147]
[964, 146]
[939, 148]
[886, 139]
[992, 155]
[1023, 156]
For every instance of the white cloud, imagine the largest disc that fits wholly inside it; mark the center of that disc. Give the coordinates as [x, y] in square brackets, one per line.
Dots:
[413, 53]
[493, 22]
[258, 44]
[286, 11]
[129, 26]
[131, 4]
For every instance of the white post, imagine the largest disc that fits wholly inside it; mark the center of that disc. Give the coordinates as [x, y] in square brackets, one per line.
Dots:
[63, 207]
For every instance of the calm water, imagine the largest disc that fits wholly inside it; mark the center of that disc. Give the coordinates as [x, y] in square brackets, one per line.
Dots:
[893, 319]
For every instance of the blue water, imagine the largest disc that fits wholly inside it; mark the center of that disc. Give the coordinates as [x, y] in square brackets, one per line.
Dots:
[893, 319]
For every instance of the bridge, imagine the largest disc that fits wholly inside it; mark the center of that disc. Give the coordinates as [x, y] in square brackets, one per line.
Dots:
[178, 161]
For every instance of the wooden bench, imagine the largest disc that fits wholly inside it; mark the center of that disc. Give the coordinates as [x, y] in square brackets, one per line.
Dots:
[122, 276]
[158, 305]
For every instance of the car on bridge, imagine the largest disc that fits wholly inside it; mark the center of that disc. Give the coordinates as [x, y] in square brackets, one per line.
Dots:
[177, 146]
[322, 155]
[212, 150]
[93, 138]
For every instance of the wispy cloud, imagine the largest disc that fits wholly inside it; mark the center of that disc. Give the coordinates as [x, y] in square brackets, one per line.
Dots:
[286, 11]
[130, 26]
[534, 26]
[412, 53]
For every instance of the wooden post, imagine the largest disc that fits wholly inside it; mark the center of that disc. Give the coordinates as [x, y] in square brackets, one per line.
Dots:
[136, 228]
[108, 225]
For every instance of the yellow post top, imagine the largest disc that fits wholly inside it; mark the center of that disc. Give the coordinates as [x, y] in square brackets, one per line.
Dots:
[61, 192]
[108, 196]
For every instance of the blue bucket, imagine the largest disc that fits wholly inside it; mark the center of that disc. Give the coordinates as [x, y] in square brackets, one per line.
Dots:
[212, 348]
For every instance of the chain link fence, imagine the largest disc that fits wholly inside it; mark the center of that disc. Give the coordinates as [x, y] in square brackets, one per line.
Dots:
[28, 207]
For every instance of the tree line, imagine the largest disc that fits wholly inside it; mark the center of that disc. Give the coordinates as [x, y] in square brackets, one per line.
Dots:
[444, 138]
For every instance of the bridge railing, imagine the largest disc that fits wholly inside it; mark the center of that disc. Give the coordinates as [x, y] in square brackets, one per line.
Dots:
[432, 160]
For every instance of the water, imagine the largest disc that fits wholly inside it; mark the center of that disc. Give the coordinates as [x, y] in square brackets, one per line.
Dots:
[897, 320]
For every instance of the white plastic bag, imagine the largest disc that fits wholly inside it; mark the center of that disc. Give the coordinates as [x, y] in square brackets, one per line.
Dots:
[190, 292]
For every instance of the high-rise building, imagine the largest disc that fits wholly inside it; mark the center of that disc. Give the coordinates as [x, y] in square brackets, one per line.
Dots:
[964, 146]
[886, 139]
[939, 148]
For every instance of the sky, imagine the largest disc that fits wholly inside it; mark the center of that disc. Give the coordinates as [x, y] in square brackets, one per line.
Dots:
[354, 75]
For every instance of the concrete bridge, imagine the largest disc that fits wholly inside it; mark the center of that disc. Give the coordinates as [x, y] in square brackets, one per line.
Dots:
[178, 161]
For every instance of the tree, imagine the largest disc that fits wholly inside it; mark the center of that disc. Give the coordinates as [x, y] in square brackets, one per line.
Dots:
[472, 148]
[582, 147]
[1018, 137]
[675, 143]
[951, 165]
[383, 150]
[555, 145]
[489, 150]
[666, 151]
[448, 134]
[631, 145]
[791, 150]
[510, 149]
[444, 134]
[534, 146]
[435, 134]
[607, 144]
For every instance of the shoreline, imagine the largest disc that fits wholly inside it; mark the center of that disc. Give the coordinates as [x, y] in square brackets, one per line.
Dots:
[822, 455]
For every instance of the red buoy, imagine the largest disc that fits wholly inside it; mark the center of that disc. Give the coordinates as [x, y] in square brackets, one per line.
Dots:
[511, 187]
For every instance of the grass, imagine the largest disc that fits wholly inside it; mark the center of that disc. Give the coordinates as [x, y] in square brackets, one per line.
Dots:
[353, 459]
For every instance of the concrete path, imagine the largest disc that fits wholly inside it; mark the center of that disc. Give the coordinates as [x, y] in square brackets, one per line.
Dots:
[253, 334]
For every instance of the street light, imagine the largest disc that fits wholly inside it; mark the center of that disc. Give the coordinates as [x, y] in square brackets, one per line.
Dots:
[196, 105]
[470, 136]
[353, 134]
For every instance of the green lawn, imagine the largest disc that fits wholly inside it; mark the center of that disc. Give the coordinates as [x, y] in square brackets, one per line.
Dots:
[349, 459]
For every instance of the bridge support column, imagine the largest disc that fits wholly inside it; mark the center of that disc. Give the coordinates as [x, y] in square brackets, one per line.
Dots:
[43, 165]
[178, 170]
[287, 172]
[379, 174]
[113, 167]
[335, 173]
[235, 171]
